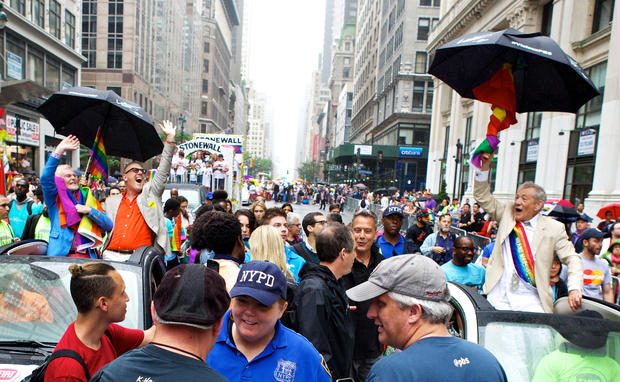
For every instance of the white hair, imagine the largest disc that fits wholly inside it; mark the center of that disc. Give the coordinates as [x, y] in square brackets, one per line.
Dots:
[61, 168]
[291, 217]
[539, 192]
[435, 312]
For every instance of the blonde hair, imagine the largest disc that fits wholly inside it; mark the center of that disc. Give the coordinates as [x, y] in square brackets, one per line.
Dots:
[258, 204]
[266, 244]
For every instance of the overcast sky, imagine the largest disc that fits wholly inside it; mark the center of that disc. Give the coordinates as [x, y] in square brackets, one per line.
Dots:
[285, 42]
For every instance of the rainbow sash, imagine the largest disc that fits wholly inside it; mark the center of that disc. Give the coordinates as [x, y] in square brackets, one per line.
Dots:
[522, 255]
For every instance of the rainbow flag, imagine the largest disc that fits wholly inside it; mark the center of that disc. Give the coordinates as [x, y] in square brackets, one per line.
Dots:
[250, 162]
[98, 159]
[151, 175]
[178, 236]
[89, 232]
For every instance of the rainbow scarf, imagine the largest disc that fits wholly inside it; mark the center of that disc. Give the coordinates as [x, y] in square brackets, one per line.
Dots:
[88, 232]
[99, 160]
[522, 255]
[500, 92]
[178, 236]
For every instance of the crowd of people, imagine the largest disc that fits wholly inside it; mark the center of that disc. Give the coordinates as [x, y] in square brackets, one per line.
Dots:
[265, 293]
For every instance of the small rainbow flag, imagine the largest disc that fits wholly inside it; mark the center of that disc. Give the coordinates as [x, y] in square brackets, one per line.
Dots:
[99, 161]
[152, 173]
[178, 236]
[250, 162]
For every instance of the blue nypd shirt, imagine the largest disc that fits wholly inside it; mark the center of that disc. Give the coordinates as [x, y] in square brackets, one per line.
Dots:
[288, 357]
[388, 250]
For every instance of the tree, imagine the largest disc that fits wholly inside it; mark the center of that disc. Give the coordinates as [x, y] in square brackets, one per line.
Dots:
[263, 165]
[442, 193]
[309, 171]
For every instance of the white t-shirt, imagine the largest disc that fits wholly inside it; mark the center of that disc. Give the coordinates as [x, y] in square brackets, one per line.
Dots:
[220, 169]
[596, 273]
[182, 166]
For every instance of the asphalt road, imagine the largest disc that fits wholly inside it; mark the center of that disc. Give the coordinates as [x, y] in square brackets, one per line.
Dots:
[303, 209]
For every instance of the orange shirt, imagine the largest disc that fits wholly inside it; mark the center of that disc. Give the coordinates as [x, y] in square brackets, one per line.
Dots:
[130, 230]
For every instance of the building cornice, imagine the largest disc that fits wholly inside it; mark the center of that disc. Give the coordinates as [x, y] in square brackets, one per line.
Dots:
[454, 21]
[594, 38]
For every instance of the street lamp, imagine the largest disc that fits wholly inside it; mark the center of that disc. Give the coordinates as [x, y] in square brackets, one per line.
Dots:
[182, 120]
[457, 159]
[3, 17]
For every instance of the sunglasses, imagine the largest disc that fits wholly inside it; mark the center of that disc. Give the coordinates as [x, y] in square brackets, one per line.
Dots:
[136, 170]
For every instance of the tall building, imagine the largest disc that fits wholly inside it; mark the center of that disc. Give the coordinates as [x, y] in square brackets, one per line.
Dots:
[344, 111]
[257, 141]
[217, 96]
[38, 44]
[192, 61]
[573, 156]
[136, 49]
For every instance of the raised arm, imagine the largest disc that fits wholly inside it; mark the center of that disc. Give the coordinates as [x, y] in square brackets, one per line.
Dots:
[163, 170]
[48, 184]
[482, 193]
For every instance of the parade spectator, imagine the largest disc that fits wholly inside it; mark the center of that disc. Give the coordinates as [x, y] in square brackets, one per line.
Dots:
[334, 208]
[334, 217]
[614, 231]
[612, 256]
[517, 276]
[172, 209]
[582, 223]
[220, 169]
[391, 242]
[478, 219]
[430, 204]
[312, 225]
[187, 218]
[258, 209]
[38, 226]
[220, 232]
[122, 186]
[248, 224]
[604, 224]
[174, 193]
[466, 218]
[322, 308]
[21, 207]
[367, 349]
[6, 232]
[596, 273]
[558, 286]
[276, 217]
[287, 207]
[61, 193]
[98, 292]
[185, 330]
[438, 245]
[460, 269]
[410, 303]
[137, 213]
[253, 345]
[294, 227]
[114, 191]
[418, 232]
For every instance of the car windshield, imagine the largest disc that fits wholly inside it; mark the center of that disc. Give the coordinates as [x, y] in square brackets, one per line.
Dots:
[36, 304]
[193, 197]
[581, 350]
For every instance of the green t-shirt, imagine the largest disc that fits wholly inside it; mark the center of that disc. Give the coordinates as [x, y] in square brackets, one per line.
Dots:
[574, 367]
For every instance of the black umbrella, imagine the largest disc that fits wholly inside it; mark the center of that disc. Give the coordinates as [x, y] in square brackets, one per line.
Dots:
[563, 213]
[392, 189]
[380, 191]
[545, 78]
[126, 129]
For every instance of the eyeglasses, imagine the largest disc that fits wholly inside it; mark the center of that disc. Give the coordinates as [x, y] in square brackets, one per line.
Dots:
[466, 249]
[320, 222]
[136, 171]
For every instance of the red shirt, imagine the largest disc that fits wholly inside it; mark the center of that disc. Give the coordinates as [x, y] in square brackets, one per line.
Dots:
[68, 369]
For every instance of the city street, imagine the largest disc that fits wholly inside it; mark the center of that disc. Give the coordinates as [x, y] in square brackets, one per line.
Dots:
[303, 209]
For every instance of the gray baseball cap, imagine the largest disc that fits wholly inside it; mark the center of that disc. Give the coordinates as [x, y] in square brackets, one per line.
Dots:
[410, 275]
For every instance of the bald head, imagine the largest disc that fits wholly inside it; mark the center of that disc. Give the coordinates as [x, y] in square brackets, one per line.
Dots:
[4, 207]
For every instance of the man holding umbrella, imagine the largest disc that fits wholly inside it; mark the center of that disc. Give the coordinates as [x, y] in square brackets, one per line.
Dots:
[137, 212]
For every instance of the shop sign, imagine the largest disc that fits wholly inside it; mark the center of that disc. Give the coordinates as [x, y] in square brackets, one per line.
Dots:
[364, 149]
[410, 151]
[532, 151]
[28, 133]
[14, 66]
[587, 139]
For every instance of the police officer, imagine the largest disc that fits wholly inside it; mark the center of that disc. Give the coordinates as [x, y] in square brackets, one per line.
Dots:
[253, 345]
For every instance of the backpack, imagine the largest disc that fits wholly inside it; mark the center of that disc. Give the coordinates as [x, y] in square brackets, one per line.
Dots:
[28, 206]
[38, 374]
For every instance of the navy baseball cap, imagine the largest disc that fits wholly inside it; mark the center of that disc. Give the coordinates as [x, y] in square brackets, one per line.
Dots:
[261, 280]
[209, 196]
[585, 218]
[393, 209]
[591, 233]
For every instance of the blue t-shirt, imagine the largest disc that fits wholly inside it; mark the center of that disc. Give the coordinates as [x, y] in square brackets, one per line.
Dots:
[18, 217]
[488, 250]
[388, 250]
[152, 363]
[288, 357]
[293, 261]
[471, 274]
[439, 359]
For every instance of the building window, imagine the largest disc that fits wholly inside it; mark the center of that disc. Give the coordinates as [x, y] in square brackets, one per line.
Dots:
[207, 47]
[115, 89]
[589, 115]
[346, 72]
[429, 96]
[35, 67]
[89, 32]
[115, 34]
[69, 29]
[205, 86]
[430, 3]
[418, 96]
[603, 14]
[424, 24]
[532, 129]
[347, 61]
[547, 18]
[398, 36]
[54, 18]
[19, 6]
[206, 65]
[420, 62]
[52, 74]
[38, 12]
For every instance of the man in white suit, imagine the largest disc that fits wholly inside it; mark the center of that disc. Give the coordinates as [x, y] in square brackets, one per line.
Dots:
[517, 275]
